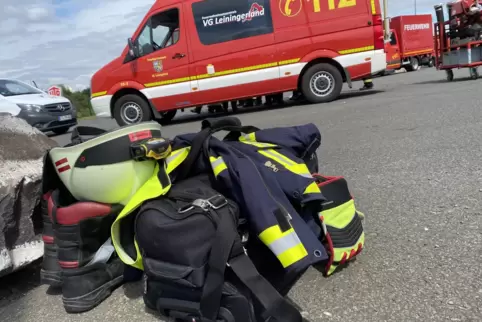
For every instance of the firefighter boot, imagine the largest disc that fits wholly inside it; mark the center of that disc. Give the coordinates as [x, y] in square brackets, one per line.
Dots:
[50, 273]
[367, 84]
[90, 266]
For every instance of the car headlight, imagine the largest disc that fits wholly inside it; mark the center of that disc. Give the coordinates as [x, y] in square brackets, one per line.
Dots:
[74, 109]
[30, 107]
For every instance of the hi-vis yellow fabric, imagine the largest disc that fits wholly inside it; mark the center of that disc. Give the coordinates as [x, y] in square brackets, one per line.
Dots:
[151, 189]
[287, 246]
[341, 222]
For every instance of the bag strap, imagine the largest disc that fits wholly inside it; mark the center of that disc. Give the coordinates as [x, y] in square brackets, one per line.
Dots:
[209, 127]
[228, 250]
[219, 256]
[274, 305]
[79, 131]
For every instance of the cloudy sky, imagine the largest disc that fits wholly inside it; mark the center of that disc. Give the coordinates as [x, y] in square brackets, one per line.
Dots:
[66, 41]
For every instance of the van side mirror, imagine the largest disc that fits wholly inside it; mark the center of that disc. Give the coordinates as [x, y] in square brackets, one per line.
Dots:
[133, 49]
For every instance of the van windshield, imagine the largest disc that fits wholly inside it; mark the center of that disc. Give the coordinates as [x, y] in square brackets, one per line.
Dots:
[13, 88]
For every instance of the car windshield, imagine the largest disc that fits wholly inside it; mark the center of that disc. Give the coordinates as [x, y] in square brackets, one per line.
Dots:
[13, 88]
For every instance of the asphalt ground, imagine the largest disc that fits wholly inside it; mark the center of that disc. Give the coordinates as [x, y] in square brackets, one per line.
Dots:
[411, 152]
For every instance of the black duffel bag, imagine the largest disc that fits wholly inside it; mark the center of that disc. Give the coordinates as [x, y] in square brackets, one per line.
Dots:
[196, 268]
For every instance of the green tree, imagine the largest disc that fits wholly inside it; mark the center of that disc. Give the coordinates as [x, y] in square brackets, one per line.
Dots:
[81, 100]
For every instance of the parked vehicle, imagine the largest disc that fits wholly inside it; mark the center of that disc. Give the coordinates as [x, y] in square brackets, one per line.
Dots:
[411, 42]
[459, 37]
[188, 53]
[42, 111]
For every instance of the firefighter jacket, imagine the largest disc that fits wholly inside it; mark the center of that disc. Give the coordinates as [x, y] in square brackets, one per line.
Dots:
[264, 173]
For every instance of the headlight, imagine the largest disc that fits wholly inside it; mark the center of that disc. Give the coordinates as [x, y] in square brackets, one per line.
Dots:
[30, 107]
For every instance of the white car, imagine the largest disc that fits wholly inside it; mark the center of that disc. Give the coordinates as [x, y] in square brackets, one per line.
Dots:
[41, 110]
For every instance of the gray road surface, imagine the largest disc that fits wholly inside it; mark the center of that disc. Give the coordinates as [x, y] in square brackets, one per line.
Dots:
[412, 154]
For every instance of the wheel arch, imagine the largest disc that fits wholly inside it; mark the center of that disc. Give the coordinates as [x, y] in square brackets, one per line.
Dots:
[343, 71]
[127, 91]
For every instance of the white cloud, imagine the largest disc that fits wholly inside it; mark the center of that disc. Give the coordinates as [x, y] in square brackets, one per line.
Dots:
[66, 41]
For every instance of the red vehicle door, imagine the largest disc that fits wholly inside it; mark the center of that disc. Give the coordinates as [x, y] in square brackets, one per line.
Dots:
[163, 65]
[392, 49]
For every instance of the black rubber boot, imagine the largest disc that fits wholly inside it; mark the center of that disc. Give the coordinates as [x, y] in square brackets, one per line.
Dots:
[90, 267]
[50, 273]
[367, 86]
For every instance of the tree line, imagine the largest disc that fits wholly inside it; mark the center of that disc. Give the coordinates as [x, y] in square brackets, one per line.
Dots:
[81, 100]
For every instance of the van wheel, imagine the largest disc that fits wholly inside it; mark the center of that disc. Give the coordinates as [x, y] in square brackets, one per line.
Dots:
[131, 109]
[413, 66]
[321, 83]
[167, 116]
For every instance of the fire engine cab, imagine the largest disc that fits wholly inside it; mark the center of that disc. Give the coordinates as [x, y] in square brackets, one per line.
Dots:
[194, 52]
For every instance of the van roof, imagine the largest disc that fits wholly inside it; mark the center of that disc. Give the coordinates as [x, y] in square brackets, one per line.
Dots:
[164, 3]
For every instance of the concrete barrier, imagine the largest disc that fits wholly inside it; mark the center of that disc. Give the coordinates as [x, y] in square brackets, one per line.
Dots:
[21, 151]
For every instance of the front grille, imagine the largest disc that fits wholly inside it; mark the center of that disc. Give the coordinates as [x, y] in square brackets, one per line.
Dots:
[57, 108]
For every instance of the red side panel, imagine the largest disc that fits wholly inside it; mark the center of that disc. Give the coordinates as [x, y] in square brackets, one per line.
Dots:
[415, 34]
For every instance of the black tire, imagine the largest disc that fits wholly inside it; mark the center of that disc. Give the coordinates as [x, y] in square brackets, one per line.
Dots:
[134, 103]
[474, 73]
[450, 75]
[324, 73]
[234, 106]
[431, 62]
[61, 130]
[414, 65]
[167, 116]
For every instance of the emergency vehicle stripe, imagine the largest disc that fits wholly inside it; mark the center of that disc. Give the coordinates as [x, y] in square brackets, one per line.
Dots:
[221, 73]
[374, 8]
[176, 158]
[98, 94]
[356, 50]
[287, 246]
[428, 50]
[218, 165]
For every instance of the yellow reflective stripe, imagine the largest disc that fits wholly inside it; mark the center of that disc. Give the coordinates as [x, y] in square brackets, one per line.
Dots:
[98, 94]
[251, 137]
[297, 168]
[356, 50]
[224, 72]
[374, 9]
[260, 145]
[312, 188]
[168, 82]
[218, 165]
[287, 246]
[151, 189]
[339, 217]
[176, 158]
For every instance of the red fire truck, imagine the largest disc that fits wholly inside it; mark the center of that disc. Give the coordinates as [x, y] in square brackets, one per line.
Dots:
[194, 52]
[411, 42]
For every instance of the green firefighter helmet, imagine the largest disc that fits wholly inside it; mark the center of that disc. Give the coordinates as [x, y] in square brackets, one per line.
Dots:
[102, 169]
